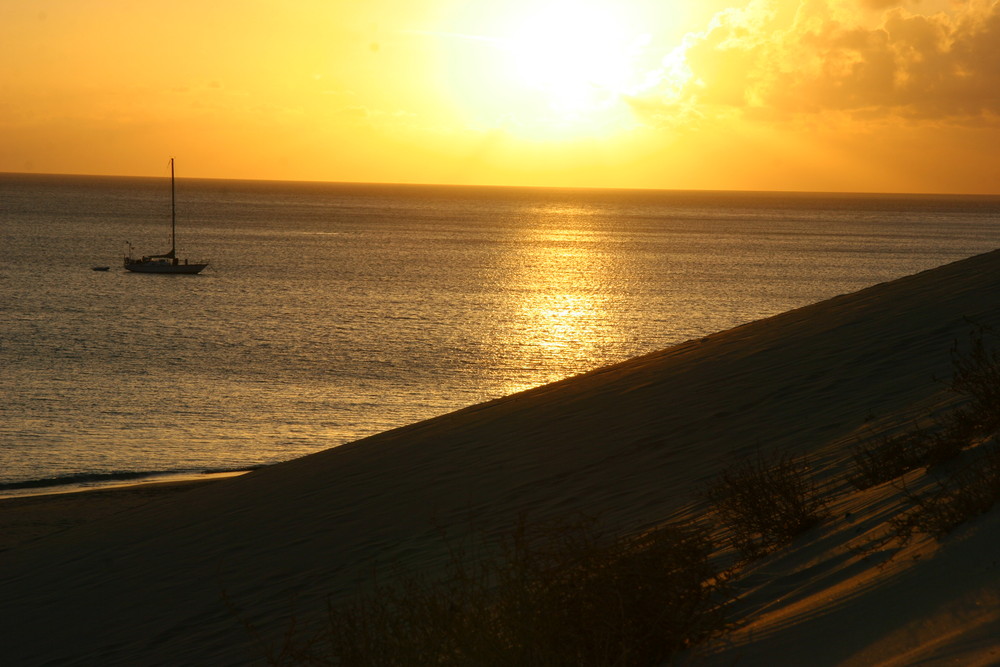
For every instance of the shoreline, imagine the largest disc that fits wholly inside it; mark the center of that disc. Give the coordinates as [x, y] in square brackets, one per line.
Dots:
[98, 481]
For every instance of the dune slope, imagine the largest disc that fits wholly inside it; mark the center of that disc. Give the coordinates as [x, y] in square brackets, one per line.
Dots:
[630, 442]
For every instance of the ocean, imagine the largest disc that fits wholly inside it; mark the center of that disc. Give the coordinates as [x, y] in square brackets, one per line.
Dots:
[330, 312]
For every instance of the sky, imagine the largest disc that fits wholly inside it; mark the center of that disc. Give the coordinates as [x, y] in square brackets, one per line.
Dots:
[807, 95]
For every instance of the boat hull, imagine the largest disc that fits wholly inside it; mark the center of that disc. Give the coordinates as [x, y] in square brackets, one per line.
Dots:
[164, 267]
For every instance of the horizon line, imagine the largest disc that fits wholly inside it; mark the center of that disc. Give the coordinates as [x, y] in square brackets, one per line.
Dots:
[508, 186]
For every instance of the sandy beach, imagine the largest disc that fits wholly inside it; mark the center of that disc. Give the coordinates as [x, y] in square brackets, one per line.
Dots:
[168, 575]
[28, 518]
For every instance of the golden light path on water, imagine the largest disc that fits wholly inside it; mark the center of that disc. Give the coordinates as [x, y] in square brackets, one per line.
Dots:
[559, 304]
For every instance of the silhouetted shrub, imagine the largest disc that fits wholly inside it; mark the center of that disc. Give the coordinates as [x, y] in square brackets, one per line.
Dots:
[888, 458]
[891, 457]
[946, 444]
[765, 503]
[558, 595]
[955, 500]
[976, 375]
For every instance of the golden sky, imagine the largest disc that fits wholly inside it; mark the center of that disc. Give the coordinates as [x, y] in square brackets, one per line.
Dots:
[816, 95]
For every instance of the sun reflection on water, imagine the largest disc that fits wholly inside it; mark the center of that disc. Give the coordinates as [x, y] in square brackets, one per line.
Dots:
[557, 298]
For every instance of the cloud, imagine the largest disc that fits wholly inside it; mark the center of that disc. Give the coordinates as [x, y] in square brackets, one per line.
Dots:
[772, 60]
[880, 4]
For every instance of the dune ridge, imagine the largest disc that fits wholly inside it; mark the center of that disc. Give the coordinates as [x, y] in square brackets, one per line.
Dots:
[631, 442]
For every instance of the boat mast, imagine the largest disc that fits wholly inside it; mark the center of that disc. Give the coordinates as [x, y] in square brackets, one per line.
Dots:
[173, 215]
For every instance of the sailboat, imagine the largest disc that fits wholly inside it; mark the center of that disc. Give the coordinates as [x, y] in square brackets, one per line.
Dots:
[167, 262]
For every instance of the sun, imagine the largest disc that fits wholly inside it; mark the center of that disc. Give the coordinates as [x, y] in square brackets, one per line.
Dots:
[580, 58]
[552, 71]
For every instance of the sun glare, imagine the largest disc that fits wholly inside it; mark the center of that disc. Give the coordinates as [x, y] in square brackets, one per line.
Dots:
[551, 70]
[582, 58]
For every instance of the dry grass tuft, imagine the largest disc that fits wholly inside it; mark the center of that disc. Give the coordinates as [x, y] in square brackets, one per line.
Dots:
[893, 456]
[889, 458]
[764, 503]
[976, 375]
[955, 499]
[558, 594]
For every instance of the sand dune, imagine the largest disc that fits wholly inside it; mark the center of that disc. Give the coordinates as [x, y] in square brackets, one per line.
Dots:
[630, 442]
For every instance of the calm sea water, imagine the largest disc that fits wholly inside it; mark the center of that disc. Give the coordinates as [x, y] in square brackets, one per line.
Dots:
[331, 312]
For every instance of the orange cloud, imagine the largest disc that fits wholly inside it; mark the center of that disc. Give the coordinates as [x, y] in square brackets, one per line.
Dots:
[765, 61]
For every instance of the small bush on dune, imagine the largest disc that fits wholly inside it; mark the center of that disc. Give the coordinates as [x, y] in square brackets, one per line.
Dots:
[947, 444]
[558, 595]
[888, 458]
[765, 503]
[955, 500]
[976, 375]
[893, 456]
